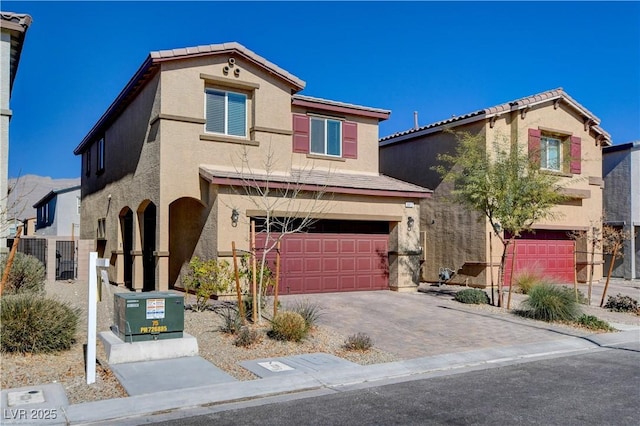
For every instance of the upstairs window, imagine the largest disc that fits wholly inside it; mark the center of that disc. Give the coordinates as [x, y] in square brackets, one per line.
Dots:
[556, 150]
[100, 162]
[87, 162]
[226, 113]
[550, 153]
[326, 136]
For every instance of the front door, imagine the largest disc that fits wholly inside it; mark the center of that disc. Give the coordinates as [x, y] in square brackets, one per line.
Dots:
[149, 246]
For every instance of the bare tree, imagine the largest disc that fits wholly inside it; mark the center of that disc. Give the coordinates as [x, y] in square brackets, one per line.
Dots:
[291, 202]
[613, 239]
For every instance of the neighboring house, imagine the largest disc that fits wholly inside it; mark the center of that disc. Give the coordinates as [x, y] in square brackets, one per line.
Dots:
[162, 177]
[621, 171]
[58, 213]
[13, 28]
[568, 140]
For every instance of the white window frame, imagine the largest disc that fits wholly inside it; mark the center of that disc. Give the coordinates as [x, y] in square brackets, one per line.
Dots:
[326, 134]
[101, 153]
[226, 114]
[544, 153]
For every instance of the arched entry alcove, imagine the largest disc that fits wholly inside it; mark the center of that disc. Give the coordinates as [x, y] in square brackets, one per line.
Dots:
[187, 218]
[126, 236]
[147, 221]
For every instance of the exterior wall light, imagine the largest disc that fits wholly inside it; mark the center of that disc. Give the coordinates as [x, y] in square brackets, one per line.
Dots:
[234, 217]
[410, 222]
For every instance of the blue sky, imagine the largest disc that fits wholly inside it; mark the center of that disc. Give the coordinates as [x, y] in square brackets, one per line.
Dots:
[437, 58]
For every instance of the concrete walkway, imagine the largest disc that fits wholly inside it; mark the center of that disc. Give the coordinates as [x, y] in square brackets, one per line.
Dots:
[432, 334]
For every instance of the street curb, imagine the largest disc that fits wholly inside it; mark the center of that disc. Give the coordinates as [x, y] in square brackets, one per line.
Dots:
[135, 406]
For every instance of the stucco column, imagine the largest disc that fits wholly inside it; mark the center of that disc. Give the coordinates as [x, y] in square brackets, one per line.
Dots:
[162, 249]
[136, 252]
[405, 252]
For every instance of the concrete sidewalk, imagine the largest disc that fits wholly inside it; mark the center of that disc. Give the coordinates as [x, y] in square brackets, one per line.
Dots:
[429, 332]
[334, 378]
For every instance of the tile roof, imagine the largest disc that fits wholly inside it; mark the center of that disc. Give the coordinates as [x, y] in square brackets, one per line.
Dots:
[151, 66]
[514, 105]
[211, 49]
[332, 181]
[339, 104]
[16, 24]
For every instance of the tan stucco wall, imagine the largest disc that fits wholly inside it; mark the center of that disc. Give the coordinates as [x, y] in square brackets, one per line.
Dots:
[155, 149]
[454, 237]
[403, 267]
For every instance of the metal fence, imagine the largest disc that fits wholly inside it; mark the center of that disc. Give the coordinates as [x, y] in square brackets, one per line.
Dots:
[65, 260]
[36, 247]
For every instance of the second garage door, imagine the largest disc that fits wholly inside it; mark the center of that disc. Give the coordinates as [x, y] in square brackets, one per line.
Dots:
[549, 253]
[332, 262]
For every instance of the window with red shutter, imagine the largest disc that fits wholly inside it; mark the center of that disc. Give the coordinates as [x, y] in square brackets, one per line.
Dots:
[534, 145]
[575, 165]
[300, 133]
[350, 139]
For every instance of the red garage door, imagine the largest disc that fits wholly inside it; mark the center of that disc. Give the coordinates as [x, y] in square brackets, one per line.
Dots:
[327, 262]
[549, 253]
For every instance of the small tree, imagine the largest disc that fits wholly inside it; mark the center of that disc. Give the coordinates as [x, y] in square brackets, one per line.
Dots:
[612, 242]
[207, 278]
[505, 185]
[291, 203]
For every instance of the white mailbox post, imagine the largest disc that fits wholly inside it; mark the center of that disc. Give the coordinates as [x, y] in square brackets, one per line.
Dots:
[92, 313]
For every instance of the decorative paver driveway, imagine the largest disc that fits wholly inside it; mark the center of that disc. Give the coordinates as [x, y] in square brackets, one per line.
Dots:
[412, 325]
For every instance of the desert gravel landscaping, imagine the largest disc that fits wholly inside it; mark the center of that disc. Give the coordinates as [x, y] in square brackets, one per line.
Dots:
[67, 368]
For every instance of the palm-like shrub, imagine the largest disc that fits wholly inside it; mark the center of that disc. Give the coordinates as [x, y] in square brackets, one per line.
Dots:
[310, 311]
[27, 274]
[548, 302]
[33, 323]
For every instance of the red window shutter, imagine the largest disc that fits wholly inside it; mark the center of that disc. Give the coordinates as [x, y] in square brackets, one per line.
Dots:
[349, 139]
[576, 154]
[534, 145]
[300, 133]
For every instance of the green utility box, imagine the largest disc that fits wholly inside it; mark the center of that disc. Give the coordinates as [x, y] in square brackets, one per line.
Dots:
[148, 316]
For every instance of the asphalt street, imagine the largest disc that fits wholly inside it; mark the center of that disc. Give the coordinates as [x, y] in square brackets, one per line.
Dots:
[596, 388]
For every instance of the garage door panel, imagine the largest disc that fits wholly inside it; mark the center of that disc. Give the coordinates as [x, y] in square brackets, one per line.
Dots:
[553, 258]
[332, 262]
[312, 265]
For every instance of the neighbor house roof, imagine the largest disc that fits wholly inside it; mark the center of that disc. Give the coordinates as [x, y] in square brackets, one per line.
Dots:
[340, 107]
[317, 180]
[16, 24]
[54, 193]
[555, 95]
[622, 147]
[152, 65]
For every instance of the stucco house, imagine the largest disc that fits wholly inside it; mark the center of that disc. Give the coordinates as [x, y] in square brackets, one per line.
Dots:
[13, 28]
[621, 171]
[166, 169]
[568, 140]
[58, 213]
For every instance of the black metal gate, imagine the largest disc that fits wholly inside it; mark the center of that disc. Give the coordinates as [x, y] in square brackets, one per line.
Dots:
[36, 247]
[65, 260]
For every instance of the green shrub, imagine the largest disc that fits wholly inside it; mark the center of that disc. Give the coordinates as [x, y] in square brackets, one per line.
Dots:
[310, 311]
[207, 278]
[287, 325]
[472, 295]
[231, 320]
[548, 302]
[246, 337]
[620, 303]
[27, 275]
[593, 323]
[526, 279]
[32, 323]
[358, 342]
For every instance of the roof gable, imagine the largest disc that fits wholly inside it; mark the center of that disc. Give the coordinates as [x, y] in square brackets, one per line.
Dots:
[151, 66]
[551, 96]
